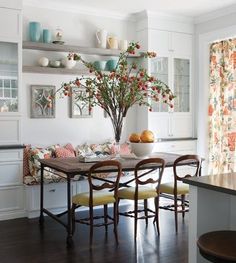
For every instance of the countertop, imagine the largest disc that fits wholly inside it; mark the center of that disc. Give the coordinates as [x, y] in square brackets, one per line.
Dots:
[225, 183]
[12, 146]
[177, 139]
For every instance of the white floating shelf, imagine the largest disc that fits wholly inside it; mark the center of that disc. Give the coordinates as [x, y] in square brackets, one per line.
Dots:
[49, 70]
[71, 48]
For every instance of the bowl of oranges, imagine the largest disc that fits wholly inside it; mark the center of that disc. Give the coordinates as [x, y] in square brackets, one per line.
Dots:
[142, 144]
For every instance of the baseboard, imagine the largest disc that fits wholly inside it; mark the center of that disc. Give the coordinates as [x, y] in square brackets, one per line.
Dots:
[12, 215]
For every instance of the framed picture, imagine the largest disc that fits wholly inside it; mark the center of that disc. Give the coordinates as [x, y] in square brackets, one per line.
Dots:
[41, 105]
[79, 109]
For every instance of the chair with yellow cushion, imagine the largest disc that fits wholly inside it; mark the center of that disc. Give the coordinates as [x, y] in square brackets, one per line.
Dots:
[98, 195]
[145, 187]
[176, 189]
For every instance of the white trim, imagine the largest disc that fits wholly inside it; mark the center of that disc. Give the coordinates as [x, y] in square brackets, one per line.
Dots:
[77, 9]
[215, 14]
[7, 215]
[170, 17]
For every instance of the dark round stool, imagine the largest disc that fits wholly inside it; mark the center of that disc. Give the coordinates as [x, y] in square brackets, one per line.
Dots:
[218, 246]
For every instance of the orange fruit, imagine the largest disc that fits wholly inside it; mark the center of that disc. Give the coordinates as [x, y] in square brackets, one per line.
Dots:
[134, 137]
[147, 136]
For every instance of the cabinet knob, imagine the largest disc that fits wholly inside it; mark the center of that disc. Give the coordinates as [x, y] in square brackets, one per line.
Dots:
[52, 190]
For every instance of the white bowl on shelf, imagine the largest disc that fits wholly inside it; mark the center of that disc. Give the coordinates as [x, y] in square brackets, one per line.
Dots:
[55, 63]
[68, 63]
[142, 149]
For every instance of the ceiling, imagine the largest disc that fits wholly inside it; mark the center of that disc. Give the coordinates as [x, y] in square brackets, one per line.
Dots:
[191, 8]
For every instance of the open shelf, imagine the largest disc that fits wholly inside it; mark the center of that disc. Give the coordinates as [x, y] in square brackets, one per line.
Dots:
[49, 70]
[61, 71]
[70, 48]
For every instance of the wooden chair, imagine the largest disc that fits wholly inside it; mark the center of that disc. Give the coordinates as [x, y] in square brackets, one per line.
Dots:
[141, 192]
[177, 190]
[99, 194]
[218, 246]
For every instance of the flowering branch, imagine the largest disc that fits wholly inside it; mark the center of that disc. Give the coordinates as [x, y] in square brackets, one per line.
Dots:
[117, 91]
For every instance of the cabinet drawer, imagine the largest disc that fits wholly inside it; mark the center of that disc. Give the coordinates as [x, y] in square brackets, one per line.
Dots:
[55, 196]
[11, 198]
[11, 18]
[176, 146]
[11, 173]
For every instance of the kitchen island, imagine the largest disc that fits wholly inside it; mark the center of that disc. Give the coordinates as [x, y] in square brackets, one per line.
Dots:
[212, 204]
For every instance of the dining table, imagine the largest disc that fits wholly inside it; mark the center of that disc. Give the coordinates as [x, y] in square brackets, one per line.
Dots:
[73, 166]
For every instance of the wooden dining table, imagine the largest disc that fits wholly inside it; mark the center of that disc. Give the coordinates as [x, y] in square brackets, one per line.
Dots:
[72, 166]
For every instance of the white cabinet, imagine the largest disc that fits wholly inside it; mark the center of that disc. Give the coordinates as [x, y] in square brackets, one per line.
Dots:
[173, 66]
[10, 24]
[11, 186]
[170, 125]
[10, 72]
[163, 41]
[55, 198]
[177, 146]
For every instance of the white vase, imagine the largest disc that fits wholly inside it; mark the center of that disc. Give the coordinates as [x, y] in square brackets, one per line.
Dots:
[101, 36]
[68, 63]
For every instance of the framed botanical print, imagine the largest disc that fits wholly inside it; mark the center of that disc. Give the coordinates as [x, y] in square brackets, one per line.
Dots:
[42, 105]
[79, 108]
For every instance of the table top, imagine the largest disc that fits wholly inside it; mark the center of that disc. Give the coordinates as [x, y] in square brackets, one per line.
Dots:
[225, 183]
[74, 166]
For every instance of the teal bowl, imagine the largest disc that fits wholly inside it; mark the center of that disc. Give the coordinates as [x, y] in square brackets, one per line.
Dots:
[111, 64]
[100, 65]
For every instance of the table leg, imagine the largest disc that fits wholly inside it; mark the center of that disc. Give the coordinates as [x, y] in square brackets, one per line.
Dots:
[200, 168]
[69, 239]
[41, 218]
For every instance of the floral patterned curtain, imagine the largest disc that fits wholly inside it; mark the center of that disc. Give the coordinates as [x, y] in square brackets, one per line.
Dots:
[222, 107]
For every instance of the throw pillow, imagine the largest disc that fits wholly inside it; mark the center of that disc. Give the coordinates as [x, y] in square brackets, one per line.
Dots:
[34, 155]
[63, 153]
[70, 147]
[103, 148]
[26, 170]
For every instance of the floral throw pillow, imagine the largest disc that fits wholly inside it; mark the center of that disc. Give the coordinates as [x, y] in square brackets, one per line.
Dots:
[84, 149]
[34, 155]
[104, 148]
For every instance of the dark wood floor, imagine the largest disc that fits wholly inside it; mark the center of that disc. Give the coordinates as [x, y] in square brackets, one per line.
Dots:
[22, 241]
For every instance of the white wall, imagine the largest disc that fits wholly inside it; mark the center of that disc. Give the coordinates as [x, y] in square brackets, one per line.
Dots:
[78, 29]
[206, 33]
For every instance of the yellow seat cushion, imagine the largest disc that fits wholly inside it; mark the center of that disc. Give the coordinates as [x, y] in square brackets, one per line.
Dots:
[144, 192]
[168, 188]
[99, 198]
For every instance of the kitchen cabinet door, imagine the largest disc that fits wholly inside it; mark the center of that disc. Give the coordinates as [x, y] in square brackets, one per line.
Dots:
[181, 43]
[9, 77]
[10, 24]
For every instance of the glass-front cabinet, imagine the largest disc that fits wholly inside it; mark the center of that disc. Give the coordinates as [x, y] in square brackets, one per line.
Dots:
[160, 70]
[8, 77]
[175, 72]
[181, 85]
[175, 122]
